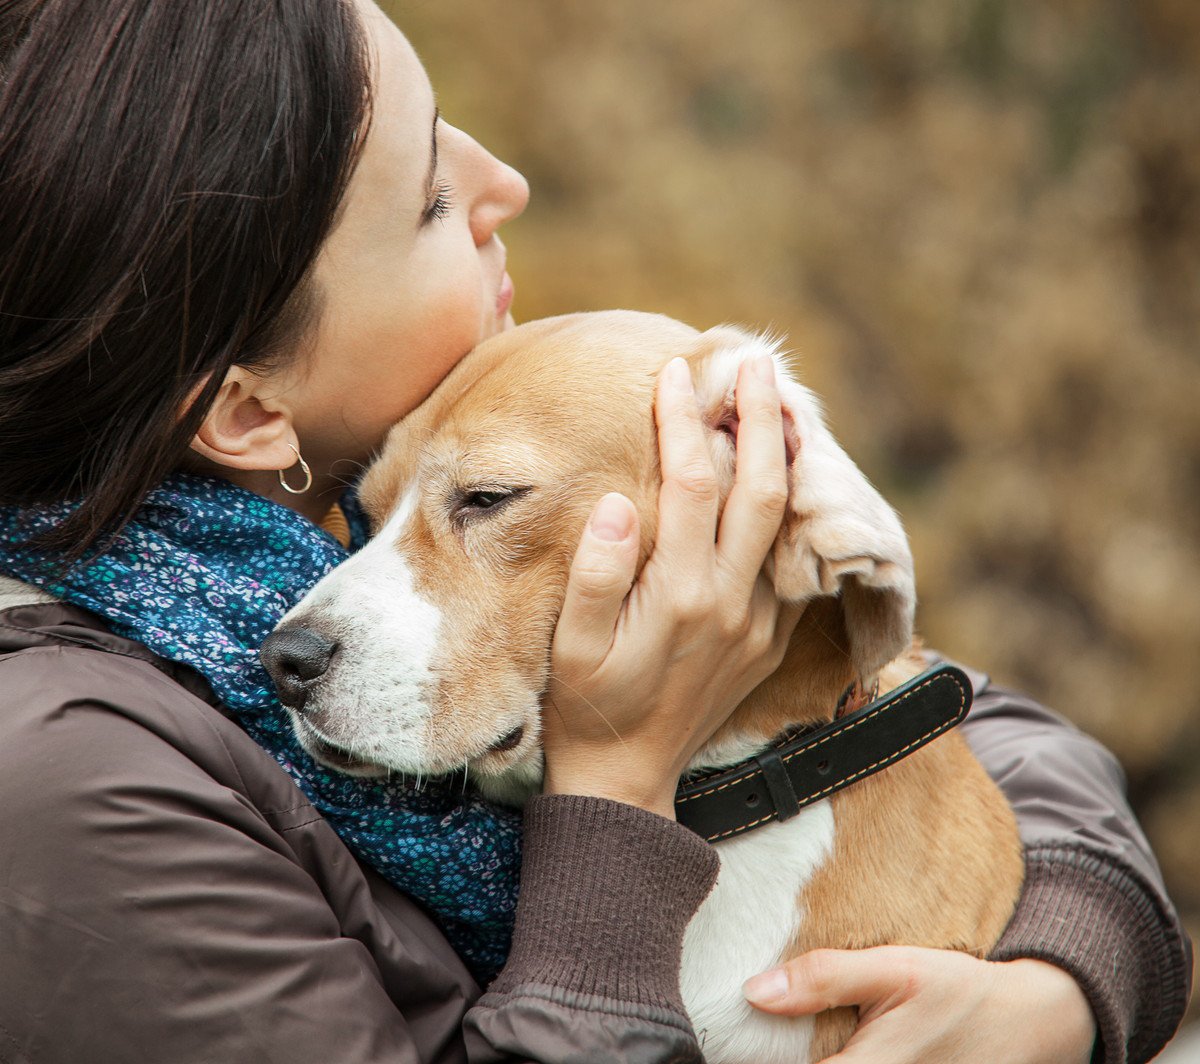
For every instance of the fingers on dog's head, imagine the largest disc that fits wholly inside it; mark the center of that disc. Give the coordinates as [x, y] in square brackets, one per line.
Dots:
[839, 538]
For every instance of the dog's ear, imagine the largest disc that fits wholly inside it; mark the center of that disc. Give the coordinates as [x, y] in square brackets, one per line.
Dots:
[839, 538]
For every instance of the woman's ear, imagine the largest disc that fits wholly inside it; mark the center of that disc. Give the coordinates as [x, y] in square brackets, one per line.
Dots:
[245, 427]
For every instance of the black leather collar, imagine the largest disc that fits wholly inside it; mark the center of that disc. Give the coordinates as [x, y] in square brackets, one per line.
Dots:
[800, 768]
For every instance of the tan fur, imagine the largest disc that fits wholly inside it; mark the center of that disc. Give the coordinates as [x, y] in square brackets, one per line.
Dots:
[507, 576]
[926, 852]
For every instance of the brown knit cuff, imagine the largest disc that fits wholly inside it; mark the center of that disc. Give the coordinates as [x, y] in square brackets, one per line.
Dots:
[606, 893]
[1092, 918]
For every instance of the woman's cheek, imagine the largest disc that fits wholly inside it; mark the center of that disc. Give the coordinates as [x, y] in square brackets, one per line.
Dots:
[445, 334]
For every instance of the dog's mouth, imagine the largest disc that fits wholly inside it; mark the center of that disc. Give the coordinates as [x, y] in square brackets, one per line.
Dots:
[509, 751]
[333, 756]
[508, 742]
[495, 758]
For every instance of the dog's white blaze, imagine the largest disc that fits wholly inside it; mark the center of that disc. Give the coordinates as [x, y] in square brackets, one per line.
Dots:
[752, 913]
[388, 636]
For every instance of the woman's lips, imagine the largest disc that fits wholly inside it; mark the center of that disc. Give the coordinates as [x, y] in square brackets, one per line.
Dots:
[504, 297]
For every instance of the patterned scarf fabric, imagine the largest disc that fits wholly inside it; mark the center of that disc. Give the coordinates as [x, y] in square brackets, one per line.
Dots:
[201, 576]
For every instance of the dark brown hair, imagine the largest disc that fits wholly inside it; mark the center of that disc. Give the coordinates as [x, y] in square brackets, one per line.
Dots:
[169, 170]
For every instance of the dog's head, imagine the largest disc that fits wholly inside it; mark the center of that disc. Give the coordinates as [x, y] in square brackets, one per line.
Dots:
[428, 651]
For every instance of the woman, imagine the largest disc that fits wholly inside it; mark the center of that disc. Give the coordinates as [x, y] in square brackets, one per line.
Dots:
[238, 241]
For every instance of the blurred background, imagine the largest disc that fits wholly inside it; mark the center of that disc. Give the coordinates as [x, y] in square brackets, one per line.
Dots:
[978, 223]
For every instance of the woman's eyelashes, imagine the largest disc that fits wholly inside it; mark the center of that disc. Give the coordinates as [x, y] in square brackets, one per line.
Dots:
[442, 202]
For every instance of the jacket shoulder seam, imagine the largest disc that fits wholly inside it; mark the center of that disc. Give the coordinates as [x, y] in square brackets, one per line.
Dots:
[61, 642]
[155, 676]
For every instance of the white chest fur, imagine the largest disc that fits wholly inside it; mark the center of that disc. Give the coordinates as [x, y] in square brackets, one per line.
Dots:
[742, 929]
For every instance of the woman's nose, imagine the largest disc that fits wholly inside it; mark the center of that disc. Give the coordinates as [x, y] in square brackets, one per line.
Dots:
[500, 194]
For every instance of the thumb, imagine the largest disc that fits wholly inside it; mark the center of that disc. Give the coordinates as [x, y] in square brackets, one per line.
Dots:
[826, 979]
[601, 575]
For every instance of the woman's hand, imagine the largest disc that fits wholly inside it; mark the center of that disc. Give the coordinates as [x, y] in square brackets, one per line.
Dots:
[932, 1006]
[642, 677]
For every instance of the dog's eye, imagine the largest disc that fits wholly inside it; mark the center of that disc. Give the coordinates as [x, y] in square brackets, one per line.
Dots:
[484, 501]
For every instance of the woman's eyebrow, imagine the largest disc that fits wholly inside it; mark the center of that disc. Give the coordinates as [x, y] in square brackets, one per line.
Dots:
[433, 156]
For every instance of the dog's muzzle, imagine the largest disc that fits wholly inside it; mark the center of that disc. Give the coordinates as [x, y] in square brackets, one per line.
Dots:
[296, 658]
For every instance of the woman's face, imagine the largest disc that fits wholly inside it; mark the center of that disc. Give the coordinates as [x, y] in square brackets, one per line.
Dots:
[413, 275]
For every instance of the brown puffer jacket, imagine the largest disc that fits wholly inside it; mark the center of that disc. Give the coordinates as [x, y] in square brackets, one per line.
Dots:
[167, 895]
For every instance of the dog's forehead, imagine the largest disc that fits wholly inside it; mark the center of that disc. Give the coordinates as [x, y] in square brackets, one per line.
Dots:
[604, 362]
[552, 391]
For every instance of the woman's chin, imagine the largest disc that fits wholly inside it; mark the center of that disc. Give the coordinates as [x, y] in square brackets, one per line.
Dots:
[501, 323]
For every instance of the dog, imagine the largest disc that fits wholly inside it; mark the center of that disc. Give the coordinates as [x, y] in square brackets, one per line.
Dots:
[428, 651]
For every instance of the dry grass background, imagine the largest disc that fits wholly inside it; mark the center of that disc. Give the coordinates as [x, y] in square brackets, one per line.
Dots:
[978, 221]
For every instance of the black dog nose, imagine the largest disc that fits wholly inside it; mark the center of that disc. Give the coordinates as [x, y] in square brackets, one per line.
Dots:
[295, 658]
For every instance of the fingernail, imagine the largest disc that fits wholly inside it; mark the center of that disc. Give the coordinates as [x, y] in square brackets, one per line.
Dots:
[764, 369]
[679, 377]
[612, 520]
[770, 986]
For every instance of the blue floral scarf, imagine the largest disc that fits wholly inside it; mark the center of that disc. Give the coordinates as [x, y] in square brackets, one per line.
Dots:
[201, 576]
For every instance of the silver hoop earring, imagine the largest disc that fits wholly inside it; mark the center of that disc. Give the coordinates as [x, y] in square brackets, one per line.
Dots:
[307, 476]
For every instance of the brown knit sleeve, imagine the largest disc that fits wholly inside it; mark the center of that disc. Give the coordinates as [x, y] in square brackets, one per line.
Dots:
[606, 893]
[1092, 918]
[1094, 902]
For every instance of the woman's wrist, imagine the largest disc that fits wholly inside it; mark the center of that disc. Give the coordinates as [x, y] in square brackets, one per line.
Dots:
[1056, 994]
[616, 783]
